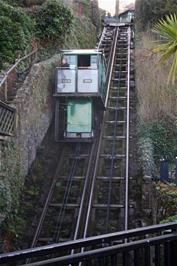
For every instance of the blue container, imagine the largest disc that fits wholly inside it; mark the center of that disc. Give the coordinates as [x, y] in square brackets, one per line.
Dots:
[164, 173]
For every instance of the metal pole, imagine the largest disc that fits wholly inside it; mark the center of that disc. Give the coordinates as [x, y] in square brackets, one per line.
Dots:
[176, 171]
[128, 133]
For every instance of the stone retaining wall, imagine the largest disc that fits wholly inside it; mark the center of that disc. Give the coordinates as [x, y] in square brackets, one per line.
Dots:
[34, 105]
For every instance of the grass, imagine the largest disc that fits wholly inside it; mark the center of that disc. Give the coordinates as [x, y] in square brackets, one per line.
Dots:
[156, 98]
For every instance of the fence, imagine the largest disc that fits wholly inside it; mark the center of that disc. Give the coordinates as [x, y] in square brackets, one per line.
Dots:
[148, 246]
[7, 120]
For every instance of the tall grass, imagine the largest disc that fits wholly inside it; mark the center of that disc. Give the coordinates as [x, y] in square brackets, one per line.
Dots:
[156, 99]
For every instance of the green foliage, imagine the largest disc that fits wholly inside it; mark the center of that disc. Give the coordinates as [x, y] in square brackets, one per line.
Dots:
[163, 135]
[148, 12]
[53, 21]
[50, 22]
[166, 195]
[15, 32]
[169, 219]
[167, 28]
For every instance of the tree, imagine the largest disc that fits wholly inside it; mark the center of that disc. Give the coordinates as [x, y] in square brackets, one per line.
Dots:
[167, 28]
[148, 12]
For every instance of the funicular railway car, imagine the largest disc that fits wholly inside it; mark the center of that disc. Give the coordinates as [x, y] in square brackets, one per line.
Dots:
[79, 94]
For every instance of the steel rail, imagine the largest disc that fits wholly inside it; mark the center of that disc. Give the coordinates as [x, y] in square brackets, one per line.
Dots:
[110, 70]
[128, 133]
[86, 184]
[44, 211]
[113, 153]
[65, 200]
[66, 195]
[96, 145]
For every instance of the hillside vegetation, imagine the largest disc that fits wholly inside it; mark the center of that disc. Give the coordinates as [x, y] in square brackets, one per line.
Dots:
[47, 23]
[150, 11]
[157, 98]
[157, 106]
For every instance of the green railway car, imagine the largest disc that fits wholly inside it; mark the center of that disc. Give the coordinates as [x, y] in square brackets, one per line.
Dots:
[79, 94]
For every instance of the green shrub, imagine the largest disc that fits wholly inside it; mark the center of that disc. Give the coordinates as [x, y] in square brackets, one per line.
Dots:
[166, 196]
[16, 30]
[163, 135]
[53, 21]
[170, 219]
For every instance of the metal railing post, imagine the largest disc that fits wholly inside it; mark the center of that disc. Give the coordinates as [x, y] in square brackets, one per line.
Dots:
[176, 171]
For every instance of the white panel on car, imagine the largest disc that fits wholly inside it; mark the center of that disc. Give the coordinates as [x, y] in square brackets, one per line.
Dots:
[88, 80]
[66, 81]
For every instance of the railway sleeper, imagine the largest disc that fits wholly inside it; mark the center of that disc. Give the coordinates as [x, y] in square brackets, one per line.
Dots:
[110, 156]
[114, 178]
[68, 205]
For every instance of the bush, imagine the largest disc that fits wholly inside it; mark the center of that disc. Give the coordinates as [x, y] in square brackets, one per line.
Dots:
[53, 21]
[16, 30]
[163, 135]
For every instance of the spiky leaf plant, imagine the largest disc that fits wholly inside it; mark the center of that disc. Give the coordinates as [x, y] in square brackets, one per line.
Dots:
[167, 28]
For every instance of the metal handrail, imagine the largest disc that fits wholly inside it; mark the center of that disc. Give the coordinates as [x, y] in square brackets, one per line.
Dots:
[6, 75]
[94, 242]
[108, 251]
[7, 106]
[15, 65]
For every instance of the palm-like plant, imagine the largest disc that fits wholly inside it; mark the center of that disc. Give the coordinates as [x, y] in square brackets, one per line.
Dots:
[167, 28]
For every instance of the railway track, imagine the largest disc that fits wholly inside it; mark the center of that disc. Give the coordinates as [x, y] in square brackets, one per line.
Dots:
[89, 192]
[108, 209]
[59, 216]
